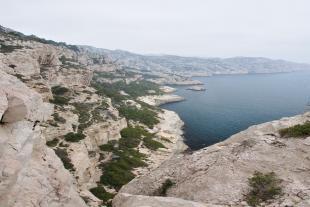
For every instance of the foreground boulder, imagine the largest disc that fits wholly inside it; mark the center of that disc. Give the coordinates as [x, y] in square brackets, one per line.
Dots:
[218, 175]
[30, 173]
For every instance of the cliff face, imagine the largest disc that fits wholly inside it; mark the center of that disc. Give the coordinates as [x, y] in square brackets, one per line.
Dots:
[218, 175]
[30, 173]
[68, 98]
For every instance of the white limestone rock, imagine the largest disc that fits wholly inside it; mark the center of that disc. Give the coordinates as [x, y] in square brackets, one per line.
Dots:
[127, 200]
[30, 173]
[3, 103]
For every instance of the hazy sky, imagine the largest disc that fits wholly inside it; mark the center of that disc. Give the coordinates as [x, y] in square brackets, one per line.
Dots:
[208, 28]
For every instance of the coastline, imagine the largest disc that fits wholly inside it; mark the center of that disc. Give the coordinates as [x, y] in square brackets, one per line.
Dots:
[169, 131]
[157, 100]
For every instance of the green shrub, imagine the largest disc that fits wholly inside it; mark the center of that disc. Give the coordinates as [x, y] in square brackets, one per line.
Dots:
[116, 175]
[9, 48]
[60, 100]
[63, 155]
[58, 118]
[144, 115]
[165, 186]
[132, 136]
[152, 144]
[108, 147]
[101, 193]
[300, 130]
[52, 143]
[118, 172]
[59, 90]
[83, 109]
[263, 187]
[74, 137]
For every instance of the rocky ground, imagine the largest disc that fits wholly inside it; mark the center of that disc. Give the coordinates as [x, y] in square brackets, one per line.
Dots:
[218, 175]
[90, 104]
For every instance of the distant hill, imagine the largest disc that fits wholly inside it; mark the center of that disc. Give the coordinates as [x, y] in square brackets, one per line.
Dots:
[187, 65]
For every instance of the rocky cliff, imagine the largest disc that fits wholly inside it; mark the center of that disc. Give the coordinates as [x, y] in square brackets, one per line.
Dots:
[218, 175]
[30, 174]
[76, 125]
[69, 127]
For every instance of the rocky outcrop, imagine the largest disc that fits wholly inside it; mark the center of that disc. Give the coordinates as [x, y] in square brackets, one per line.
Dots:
[218, 175]
[126, 200]
[196, 88]
[161, 99]
[30, 173]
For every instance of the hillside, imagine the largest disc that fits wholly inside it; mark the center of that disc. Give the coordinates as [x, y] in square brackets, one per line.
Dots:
[194, 66]
[79, 125]
[95, 124]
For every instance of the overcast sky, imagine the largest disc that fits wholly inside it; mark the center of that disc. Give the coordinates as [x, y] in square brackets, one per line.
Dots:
[207, 28]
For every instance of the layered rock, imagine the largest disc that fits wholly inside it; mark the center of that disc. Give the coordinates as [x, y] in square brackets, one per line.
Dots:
[30, 173]
[218, 175]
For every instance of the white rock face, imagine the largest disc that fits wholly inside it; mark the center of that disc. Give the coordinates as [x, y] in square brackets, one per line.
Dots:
[218, 175]
[30, 173]
[161, 99]
[126, 200]
[3, 103]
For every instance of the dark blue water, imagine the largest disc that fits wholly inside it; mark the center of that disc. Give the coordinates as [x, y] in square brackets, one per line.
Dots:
[235, 102]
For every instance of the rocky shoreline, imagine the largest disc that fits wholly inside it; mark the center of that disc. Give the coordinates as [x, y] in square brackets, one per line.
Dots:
[158, 100]
[218, 175]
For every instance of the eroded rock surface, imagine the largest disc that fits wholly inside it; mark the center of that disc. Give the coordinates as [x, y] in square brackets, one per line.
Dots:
[30, 173]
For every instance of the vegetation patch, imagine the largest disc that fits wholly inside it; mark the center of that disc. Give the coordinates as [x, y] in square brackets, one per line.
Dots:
[58, 118]
[52, 143]
[60, 100]
[134, 89]
[165, 186]
[97, 112]
[9, 48]
[118, 172]
[59, 97]
[101, 193]
[70, 63]
[64, 157]
[300, 130]
[74, 137]
[144, 115]
[21, 36]
[109, 147]
[59, 90]
[152, 144]
[263, 187]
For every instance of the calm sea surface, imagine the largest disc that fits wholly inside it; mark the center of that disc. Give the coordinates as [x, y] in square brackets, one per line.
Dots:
[232, 103]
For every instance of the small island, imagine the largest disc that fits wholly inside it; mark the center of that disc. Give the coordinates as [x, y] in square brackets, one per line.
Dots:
[196, 88]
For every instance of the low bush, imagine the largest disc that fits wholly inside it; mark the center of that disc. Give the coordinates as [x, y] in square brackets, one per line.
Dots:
[152, 144]
[52, 143]
[60, 100]
[144, 115]
[165, 186]
[108, 147]
[263, 187]
[59, 90]
[118, 172]
[64, 157]
[9, 48]
[101, 193]
[58, 118]
[74, 137]
[300, 130]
